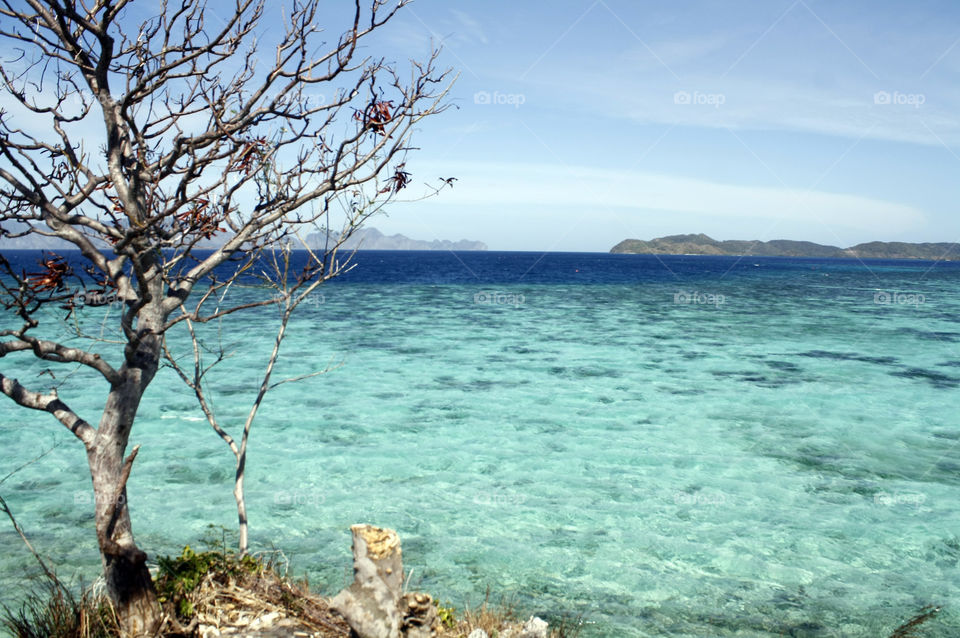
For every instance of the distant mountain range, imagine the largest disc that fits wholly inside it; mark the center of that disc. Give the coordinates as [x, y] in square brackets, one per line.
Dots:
[364, 239]
[704, 245]
[373, 239]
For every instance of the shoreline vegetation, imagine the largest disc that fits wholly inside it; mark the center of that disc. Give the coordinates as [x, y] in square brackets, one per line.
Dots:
[217, 592]
[703, 245]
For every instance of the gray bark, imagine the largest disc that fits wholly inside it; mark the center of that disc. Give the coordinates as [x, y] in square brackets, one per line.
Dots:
[124, 565]
[374, 605]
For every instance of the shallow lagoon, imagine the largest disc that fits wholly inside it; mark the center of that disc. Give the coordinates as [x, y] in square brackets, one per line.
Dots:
[667, 446]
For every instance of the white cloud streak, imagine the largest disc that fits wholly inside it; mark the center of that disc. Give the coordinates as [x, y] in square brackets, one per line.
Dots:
[519, 185]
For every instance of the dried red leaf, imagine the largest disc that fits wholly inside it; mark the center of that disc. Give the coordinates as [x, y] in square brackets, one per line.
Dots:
[376, 116]
[199, 221]
[251, 152]
[398, 182]
[55, 268]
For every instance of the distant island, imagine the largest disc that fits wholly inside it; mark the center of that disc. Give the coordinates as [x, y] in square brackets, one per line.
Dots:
[703, 245]
[363, 238]
[373, 239]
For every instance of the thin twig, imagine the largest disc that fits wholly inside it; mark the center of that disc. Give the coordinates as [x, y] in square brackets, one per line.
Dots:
[6, 510]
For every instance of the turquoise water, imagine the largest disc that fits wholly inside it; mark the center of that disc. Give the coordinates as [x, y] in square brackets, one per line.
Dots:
[778, 457]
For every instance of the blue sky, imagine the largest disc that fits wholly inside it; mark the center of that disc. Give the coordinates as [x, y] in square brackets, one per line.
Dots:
[581, 123]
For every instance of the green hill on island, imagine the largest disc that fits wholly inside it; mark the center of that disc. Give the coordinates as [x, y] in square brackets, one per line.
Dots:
[703, 245]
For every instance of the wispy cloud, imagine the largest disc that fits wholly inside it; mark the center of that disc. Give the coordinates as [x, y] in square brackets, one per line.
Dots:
[889, 110]
[801, 68]
[470, 29]
[519, 185]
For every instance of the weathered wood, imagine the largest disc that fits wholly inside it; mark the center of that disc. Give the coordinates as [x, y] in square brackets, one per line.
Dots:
[420, 619]
[125, 571]
[374, 605]
[371, 603]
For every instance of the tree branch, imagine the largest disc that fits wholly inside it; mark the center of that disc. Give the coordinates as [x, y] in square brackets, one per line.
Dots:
[48, 403]
[52, 351]
[106, 522]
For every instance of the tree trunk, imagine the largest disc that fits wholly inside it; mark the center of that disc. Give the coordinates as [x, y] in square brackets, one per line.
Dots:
[243, 543]
[128, 580]
[132, 591]
[374, 605]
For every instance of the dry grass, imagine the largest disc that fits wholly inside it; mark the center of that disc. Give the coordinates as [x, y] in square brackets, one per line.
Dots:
[497, 619]
[214, 594]
[225, 595]
[51, 610]
[491, 620]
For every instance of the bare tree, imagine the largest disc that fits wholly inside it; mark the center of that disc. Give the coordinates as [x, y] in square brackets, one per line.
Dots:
[138, 134]
[289, 292]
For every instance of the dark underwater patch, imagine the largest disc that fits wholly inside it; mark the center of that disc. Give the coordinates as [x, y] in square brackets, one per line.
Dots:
[764, 623]
[758, 379]
[866, 489]
[413, 350]
[950, 436]
[388, 396]
[949, 467]
[596, 371]
[785, 366]
[519, 350]
[584, 372]
[726, 373]
[39, 485]
[930, 335]
[686, 392]
[947, 552]
[847, 356]
[934, 378]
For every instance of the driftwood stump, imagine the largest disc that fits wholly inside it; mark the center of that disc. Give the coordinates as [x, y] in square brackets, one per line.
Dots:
[374, 605]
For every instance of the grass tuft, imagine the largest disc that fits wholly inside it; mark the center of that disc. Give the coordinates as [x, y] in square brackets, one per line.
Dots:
[50, 610]
[495, 620]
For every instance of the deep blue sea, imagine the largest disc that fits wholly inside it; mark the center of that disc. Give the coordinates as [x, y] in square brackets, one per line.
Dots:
[661, 445]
